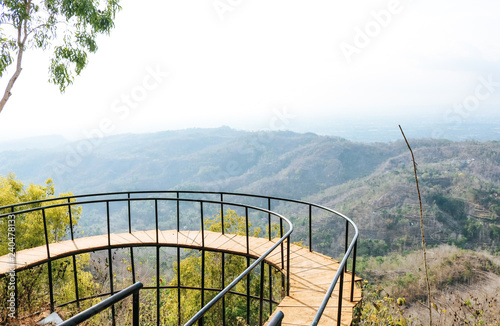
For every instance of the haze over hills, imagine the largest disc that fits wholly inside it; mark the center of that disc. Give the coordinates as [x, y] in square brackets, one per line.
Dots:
[367, 129]
[371, 182]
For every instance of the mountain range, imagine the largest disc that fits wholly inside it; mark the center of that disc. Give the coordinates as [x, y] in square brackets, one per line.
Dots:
[371, 182]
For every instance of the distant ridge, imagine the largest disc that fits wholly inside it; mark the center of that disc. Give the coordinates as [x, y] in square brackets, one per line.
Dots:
[371, 182]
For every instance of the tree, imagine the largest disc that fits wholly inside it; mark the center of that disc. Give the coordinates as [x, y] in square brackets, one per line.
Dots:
[29, 227]
[69, 27]
[29, 233]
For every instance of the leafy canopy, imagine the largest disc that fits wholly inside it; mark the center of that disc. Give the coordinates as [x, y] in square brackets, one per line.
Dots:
[68, 27]
[29, 227]
[29, 233]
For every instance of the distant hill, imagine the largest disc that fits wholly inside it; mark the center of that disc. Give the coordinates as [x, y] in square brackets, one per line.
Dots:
[217, 159]
[372, 182]
[460, 186]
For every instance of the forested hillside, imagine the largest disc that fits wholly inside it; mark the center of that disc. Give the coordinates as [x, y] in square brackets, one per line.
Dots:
[373, 183]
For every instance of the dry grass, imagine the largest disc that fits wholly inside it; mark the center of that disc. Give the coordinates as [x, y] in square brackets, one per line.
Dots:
[465, 285]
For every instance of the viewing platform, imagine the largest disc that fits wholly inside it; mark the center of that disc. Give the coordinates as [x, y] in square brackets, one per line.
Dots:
[314, 282]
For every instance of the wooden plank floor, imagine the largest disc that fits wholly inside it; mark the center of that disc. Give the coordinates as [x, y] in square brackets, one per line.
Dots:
[310, 273]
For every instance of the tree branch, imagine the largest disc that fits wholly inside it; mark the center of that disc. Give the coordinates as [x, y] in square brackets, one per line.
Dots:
[33, 29]
[421, 229]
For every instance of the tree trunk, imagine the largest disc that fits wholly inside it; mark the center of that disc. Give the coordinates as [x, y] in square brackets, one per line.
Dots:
[12, 80]
[20, 44]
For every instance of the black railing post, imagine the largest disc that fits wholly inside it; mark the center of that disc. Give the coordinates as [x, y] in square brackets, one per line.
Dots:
[288, 266]
[178, 285]
[248, 292]
[202, 226]
[341, 292]
[178, 213]
[70, 219]
[157, 266]
[222, 212]
[310, 228]
[156, 221]
[346, 241]
[247, 231]
[282, 256]
[110, 258]
[135, 308]
[129, 214]
[49, 263]
[261, 302]
[130, 231]
[269, 218]
[75, 275]
[282, 248]
[270, 274]
[353, 269]
[270, 289]
[178, 265]
[200, 321]
[248, 264]
[223, 286]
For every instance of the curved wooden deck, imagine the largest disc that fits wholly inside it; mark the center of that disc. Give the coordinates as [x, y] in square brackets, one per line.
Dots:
[311, 273]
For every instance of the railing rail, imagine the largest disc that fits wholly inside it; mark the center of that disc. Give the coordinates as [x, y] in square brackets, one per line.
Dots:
[106, 303]
[277, 319]
[349, 250]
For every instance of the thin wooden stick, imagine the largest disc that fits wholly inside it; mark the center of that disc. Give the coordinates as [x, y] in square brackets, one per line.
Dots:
[421, 229]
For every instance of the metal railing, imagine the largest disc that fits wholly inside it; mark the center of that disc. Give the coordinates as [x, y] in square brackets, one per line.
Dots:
[220, 199]
[277, 319]
[106, 303]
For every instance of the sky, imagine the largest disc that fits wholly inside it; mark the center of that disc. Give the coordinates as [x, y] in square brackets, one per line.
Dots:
[269, 65]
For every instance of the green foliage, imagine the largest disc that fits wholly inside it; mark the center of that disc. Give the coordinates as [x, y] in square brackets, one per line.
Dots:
[5, 55]
[471, 228]
[29, 227]
[29, 233]
[495, 231]
[369, 247]
[68, 27]
[453, 206]
[379, 308]
[233, 224]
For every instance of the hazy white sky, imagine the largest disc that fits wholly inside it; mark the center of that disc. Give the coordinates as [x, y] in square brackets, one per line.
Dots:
[256, 64]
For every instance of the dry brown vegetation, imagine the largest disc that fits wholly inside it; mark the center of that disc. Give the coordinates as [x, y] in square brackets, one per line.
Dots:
[465, 286]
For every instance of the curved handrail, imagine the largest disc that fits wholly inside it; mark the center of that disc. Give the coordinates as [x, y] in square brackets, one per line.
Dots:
[201, 201]
[349, 248]
[222, 293]
[94, 310]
